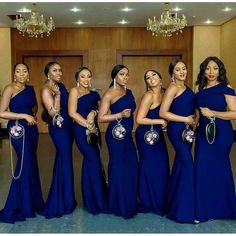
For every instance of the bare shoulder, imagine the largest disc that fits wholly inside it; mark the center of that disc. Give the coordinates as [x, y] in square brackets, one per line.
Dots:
[9, 89]
[173, 88]
[109, 94]
[74, 90]
[147, 96]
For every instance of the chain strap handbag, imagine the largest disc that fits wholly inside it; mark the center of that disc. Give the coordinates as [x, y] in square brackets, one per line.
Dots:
[17, 132]
[151, 136]
[188, 135]
[119, 131]
[211, 130]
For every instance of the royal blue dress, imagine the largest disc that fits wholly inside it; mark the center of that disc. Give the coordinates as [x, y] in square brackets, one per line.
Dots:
[123, 162]
[61, 198]
[153, 168]
[180, 202]
[25, 197]
[94, 189]
[215, 193]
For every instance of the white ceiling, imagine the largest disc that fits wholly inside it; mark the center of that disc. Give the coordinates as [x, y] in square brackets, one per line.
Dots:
[107, 14]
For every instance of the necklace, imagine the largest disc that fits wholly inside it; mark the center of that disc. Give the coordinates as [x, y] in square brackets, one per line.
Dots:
[19, 86]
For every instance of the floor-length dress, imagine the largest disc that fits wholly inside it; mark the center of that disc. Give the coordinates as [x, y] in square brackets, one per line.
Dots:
[180, 203]
[25, 197]
[215, 193]
[61, 197]
[153, 168]
[94, 189]
[123, 162]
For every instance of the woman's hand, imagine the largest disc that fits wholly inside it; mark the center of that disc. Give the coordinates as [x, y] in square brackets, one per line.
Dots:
[190, 120]
[126, 113]
[90, 117]
[163, 123]
[207, 112]
[30, 119]
[55, 88]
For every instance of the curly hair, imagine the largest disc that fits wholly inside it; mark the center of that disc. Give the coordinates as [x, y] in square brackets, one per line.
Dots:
[201, 78]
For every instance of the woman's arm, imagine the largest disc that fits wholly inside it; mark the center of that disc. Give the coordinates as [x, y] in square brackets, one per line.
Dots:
[169, 96]
[51, 103]
[72, 109]
[103, 115]
[144, 107]
[224, 115]
[4, 105]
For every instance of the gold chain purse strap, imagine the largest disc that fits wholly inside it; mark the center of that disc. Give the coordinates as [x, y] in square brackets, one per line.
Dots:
[16, 132]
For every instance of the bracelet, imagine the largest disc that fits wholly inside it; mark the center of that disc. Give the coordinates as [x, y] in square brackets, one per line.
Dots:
[91, 126]
[95, 112]
[55, 110]
[57, 95]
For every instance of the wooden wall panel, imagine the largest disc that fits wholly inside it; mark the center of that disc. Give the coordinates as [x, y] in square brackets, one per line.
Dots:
[102, 45]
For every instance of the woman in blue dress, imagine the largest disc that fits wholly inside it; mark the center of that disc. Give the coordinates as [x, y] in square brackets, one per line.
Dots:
[153, 155]
[83, 108]
[25, 197]
[178, 108]
[123, 162]
[61, 199]
[216, 101]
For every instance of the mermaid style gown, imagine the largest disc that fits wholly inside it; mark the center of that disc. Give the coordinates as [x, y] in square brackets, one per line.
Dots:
[25, 197]
[61, 199]
[180, 201]
[94, 189]
[215, 193]
[153, 168]
[123, 163]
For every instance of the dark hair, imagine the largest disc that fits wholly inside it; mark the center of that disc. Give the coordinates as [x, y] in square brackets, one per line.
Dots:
[48, 66]
[201, 78]
[20, 63]
[145, 79]
[115, 71]
[173, 64]
[80, 69]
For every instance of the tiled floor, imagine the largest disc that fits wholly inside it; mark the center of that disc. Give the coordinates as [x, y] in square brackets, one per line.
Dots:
[80, 221]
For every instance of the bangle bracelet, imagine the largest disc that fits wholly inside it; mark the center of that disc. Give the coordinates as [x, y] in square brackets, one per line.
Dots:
[95, 112]
[91, 126]
[55, 110]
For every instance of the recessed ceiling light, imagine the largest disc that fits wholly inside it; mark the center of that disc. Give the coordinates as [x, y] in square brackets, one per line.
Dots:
[79, 22]
[126, 9]
[208, 21]
[177, 9]
[227, 9]
[23, 10]
[75, 9]
[123, 22]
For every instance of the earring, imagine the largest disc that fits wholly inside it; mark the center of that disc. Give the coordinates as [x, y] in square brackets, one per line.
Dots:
[27, 80]
[114, 83]
[173, 78]
[48, 77]
[77, 83]
[14, 79]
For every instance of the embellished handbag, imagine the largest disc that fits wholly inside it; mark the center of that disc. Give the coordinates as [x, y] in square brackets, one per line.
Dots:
[188, 134]
[17, 131]
[211, 130]
[119, 131]
[57, 120]
[92, 138]
[151, 136]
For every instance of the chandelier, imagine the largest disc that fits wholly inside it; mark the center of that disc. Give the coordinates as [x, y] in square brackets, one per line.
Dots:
[168, 24]
[35, 25]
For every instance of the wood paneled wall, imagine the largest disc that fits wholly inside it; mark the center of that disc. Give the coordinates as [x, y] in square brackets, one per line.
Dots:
[103, 46]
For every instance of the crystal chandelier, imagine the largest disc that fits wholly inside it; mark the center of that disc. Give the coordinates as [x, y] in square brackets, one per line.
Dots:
[35, 25]
[168, 24]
